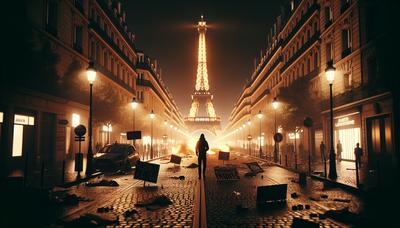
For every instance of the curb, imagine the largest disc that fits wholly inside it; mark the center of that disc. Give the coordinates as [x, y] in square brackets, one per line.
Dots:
[78, 181]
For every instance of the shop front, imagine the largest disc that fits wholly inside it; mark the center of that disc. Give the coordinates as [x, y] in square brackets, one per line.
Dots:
[347, 135]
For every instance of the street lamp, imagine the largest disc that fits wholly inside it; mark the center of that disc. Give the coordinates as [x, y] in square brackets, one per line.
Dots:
[134, 105]
[260, 116]
[91, 76]
[249, 137]
[330, 76]
[152, 116]
[275, 105]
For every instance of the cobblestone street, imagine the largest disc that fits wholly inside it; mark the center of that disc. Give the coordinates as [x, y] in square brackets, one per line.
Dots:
[130, 191]
[221, 201]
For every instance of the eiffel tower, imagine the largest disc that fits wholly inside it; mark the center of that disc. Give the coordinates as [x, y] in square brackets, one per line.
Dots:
[202, 114]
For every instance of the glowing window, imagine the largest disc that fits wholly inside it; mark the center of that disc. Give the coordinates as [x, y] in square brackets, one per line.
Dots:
[18, 137]
[76, 119]
[24, 120]
[1, 117]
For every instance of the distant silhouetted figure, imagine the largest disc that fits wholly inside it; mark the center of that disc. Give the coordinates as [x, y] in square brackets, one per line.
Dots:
[339, 150]
[358, 152]
[322, 151]
[201, 152]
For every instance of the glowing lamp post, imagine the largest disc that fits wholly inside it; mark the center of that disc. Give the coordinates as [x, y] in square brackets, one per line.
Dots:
[91, 76]
[275, 105]
[134, 105]
[260, 116]
[152, 116]
[330, 76]
[249, 137]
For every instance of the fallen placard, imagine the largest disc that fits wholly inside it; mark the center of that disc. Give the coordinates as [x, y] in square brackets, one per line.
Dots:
[226, 173]
[175, 159]
[222, 155]
[147, 171]
[271, 194]
[254, 167]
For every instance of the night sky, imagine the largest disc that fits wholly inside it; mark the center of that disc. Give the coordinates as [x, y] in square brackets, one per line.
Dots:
[166, 30]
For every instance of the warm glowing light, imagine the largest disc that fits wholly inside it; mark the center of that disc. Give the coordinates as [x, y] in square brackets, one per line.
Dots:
[259, 115]
[202, 75]
[249, 122]
[91, 73]
[76, 119]
[275, 103]
[165, 122]
[107, 128]
[330, 72]
[134, 103]
[152, 115]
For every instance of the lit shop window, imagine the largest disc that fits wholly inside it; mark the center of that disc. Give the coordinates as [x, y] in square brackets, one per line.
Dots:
[18, 134]
[76, 120]
[1, 117]
[24, 120]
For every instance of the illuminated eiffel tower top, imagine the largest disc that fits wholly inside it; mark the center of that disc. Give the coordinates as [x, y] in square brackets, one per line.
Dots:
[202, 113]
[202, 75]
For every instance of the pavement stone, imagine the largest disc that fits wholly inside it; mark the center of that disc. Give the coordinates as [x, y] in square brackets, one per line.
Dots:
[221, 202]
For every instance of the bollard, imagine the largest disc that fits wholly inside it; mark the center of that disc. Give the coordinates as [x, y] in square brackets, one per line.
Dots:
[42, 175]
[286, 160]
[63, 172]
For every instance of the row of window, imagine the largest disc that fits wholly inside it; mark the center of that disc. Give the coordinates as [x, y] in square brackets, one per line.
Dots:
[110, 62]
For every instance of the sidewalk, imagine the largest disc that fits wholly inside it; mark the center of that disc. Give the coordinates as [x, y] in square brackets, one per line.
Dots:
[346, 173]
[222, 203]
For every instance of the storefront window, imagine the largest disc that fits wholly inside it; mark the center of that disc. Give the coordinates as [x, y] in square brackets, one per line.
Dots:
[347, 135]
[18, 135]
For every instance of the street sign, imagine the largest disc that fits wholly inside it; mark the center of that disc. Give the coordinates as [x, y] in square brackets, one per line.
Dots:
[223, 155]
[147, 171]
[175, 159]
[278, 137]
[308, 122]
[80, 130]
[131, 135]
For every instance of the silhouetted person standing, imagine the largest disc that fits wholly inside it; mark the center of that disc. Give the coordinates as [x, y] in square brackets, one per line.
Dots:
[339, 149]
[358, 152]
[322, 149]
[201, 152]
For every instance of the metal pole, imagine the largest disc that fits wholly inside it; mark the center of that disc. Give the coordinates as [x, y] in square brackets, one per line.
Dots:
[276, 152]
[332, 155]
[295, 149]
[151, 140]
[260, 141]
[90, 149]
[357, 177]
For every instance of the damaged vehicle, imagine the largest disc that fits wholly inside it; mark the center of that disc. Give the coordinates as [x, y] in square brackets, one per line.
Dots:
[117, 156]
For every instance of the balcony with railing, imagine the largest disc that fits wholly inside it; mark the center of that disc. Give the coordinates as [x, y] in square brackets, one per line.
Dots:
[299, 52]
[203, 120]
[96, 27]
[104, 6]
[313, 8]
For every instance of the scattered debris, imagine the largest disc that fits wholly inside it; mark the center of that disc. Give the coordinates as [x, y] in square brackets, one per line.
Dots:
[307, 206]
[314, 198]
[178, 178]
[342, 200]
[130, 213]
[70, 199]
[294, 207]
[300, 207]
[324, 196]
[262, 176]
[155, 203]
[303, 223]
[250, 174]
[342, 215]
[91, 220]
[294, 195]
[313, 215]
[192, 166]
[109, 183]
[104, 209]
